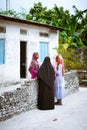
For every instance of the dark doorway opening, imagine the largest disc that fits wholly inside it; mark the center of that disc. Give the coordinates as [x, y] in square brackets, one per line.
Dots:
[23, 59]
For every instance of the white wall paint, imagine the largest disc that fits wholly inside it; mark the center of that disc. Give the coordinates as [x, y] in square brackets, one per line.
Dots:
[10, 71]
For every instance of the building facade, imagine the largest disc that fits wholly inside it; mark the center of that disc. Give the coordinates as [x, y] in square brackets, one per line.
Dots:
[18, 40]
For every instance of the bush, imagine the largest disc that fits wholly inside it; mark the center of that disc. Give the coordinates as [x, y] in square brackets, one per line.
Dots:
[73, 59]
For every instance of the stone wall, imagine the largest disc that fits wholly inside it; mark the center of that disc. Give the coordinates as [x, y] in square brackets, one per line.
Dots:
[71, 82]
[24, 98]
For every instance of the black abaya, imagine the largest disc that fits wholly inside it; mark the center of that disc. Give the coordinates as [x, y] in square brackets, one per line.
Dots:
[46, 77]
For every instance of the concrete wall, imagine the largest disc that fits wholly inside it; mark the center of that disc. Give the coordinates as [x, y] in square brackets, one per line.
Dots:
[24, 97]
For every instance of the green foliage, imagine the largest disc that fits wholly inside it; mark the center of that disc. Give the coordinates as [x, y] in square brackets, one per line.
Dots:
[9, 13]
[14, 14]
[72, 59]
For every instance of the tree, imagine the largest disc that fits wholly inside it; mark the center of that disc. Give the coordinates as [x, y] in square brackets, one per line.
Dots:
[37, 12]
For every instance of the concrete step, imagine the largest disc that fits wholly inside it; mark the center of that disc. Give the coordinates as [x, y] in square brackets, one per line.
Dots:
[83, 82]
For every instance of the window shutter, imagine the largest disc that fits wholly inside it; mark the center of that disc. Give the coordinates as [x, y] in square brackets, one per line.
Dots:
[2, 51]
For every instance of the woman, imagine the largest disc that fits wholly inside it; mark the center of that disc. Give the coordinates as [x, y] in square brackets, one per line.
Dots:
[34, 65]
[46, 76]
[59, 80]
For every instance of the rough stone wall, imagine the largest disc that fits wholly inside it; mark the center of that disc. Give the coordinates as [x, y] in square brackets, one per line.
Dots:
[71, 82]
[20, 100]
[25, 97]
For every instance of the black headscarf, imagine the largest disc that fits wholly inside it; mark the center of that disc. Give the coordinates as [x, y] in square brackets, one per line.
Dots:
[46, 72]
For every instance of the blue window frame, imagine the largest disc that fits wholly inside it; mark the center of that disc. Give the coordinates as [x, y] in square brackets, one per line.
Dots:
[2, 51]
[43, 50]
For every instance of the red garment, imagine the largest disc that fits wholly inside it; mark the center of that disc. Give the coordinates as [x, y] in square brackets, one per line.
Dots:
[34, 73]
[34, 67]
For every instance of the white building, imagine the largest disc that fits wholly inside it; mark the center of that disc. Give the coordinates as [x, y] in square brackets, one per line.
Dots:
[18, 40]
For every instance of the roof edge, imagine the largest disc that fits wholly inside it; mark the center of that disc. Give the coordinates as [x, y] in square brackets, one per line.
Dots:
[17, 20]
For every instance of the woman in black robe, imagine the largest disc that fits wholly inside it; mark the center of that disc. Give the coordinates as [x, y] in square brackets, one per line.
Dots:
[46, 76]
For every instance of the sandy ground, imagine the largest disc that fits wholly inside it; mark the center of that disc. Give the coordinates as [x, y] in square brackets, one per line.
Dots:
[72, 115]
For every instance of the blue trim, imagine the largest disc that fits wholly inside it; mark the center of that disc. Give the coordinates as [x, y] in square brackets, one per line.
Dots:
[2, 51]
[43, 50]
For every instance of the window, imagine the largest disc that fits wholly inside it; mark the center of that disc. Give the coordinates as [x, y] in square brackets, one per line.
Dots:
[43, 50]
[2, 51]
[2, 29]
[42, 34]
[23, 31]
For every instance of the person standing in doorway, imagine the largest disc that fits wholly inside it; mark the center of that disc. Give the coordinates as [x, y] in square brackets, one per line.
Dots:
[34, 65]
[59, 79]
[46, 76]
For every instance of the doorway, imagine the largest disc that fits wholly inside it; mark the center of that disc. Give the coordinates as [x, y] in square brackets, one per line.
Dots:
[23, 59]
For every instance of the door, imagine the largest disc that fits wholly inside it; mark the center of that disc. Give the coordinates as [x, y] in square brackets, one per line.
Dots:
[23, 59]
[43, 50]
